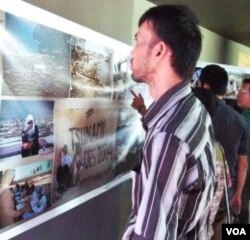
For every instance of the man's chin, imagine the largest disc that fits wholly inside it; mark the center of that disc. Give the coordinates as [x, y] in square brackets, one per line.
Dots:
[136, 79]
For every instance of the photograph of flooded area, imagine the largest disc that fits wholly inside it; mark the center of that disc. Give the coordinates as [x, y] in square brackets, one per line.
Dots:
[91, 69]
[36, 60]
[25, 191]
[26, 128]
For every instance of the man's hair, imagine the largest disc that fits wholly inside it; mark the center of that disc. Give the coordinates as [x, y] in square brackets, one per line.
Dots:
[216, 77]
[207, 97]
[177, 26]
[246, 80]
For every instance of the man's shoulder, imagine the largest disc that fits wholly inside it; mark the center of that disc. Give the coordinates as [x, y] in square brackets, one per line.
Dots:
[230, 111]
[238, 121]
[232, 102]
[238, 116]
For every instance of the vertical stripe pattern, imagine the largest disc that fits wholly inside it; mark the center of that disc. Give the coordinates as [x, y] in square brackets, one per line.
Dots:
[174, 187]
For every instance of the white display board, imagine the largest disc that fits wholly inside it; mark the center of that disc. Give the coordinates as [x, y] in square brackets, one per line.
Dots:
[62, 86]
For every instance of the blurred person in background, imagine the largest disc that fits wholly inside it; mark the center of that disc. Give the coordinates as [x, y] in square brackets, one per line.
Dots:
[243, 102]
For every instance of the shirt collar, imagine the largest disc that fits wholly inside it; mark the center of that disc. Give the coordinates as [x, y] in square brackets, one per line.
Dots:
[166, 102]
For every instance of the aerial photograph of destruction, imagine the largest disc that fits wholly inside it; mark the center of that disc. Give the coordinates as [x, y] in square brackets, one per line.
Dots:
[36, 60]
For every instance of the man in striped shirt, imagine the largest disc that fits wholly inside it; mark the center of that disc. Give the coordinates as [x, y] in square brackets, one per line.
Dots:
[173, 186]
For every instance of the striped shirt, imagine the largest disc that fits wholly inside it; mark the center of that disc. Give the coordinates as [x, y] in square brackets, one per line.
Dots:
[173, 188]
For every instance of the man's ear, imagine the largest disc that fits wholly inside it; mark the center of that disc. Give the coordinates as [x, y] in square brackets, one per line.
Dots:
[205, 85]
[162, 50]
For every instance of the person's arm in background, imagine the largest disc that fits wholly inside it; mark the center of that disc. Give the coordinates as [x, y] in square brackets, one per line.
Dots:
[241, 169]
[138, 103]
[241, 177]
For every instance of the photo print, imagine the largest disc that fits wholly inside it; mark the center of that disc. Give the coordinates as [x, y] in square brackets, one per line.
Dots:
[85, 148]
[36, 60]
[121, 79]
[129, 139]
[234, 85]
[26, 128]
[25, 191]
[91, 69]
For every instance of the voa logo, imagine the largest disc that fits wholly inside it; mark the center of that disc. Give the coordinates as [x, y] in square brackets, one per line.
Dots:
[236, 231]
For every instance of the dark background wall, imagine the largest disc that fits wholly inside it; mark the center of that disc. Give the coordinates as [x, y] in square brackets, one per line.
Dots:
[101, 218]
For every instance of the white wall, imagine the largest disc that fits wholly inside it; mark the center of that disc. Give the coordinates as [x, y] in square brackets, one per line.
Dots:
[110, 17]
[118, 19]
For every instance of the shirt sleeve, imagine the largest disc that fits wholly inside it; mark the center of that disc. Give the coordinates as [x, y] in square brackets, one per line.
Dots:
[163, 170]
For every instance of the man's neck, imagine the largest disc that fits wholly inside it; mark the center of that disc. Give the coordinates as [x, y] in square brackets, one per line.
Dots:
[162, 82]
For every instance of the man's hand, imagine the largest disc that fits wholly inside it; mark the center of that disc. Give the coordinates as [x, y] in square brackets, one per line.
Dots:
[236, 203]
[138, 101]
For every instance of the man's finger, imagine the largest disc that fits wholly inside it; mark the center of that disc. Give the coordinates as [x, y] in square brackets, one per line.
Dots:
[134, 94]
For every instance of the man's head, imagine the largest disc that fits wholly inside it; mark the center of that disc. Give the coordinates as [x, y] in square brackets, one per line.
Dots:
[214, 78]
[243, 98]
[65, 149]
[30, 121]
[170, 27]
[30, 124]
